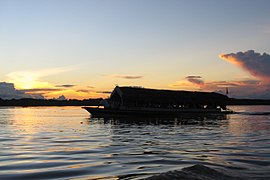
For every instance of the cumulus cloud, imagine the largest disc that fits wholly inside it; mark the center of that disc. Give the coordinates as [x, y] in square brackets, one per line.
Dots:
[258, 65]
[8, 91]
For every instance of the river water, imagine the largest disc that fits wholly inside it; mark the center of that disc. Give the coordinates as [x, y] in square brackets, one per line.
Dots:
[65, 143]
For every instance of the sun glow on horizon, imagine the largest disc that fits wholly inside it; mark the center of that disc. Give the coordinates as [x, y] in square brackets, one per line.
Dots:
[27, 80]
[32, 79]
[75, 94]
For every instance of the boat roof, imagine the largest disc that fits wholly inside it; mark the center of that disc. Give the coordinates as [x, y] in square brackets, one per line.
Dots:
[159, 95]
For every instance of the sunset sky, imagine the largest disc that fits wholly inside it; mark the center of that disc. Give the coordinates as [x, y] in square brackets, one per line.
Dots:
[83, 48]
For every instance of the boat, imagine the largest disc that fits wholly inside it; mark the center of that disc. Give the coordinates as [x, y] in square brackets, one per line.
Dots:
[137, 101]
[100, 112]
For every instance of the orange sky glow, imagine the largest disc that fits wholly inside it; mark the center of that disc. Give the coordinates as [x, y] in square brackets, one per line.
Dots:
[83, 49]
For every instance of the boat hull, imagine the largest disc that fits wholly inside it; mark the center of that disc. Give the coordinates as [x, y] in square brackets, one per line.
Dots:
[100, 112]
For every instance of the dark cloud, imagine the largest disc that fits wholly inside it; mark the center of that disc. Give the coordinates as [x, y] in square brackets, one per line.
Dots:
[237, 89]
[244, 83]
[258, 65]
[83, 90]
[40, 90]
[104, 92]
[66, 85]
[192, 77]
[8, 91]
[128, 77]
[195, 80]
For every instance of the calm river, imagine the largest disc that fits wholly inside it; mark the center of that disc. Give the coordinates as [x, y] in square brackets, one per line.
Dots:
[64, 143]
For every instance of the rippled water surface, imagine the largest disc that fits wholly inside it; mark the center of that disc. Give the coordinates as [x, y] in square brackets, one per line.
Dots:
[64, 143]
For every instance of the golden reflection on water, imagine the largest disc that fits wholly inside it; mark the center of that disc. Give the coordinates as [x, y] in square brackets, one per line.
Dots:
[43, 129]
[241, 125]
[33, 120]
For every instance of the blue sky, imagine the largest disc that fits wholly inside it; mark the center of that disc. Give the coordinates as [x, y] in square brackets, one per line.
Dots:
[100, 43]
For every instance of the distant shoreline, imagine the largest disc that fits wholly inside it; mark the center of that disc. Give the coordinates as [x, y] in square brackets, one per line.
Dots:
[96, 102]
[49, 102]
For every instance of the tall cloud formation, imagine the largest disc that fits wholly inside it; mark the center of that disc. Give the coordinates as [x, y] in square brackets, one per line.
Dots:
[258, 65]
[8, 91]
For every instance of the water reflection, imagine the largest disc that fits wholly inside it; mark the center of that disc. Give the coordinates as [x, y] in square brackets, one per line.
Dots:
[249, 119]
[32, 120]
[64, 143]
[186, 119]
[243, 124]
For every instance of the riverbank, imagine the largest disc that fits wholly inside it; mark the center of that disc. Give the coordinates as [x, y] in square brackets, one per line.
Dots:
[96, 102]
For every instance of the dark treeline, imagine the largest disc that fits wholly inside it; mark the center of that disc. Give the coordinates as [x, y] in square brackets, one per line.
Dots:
[96, 102]
[49, 102]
